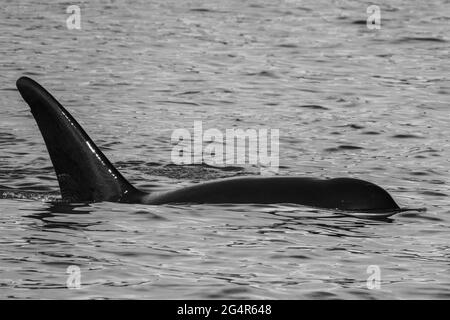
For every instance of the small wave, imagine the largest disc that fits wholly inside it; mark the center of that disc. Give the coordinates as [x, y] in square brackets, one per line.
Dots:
[201, 10]
[188, 92]
[384, 55]
[419, 39]
[313, 106]
[288, 45]
[353, 126]
[343, 148]
[321, 295]
[406, 136]
[7, 138]
[264, 73]
[151, 215]
[360, 22]
[419, 173]
[178, 102]
[434, 193]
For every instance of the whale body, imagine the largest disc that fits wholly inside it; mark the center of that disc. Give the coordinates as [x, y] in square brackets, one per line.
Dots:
[85, 174]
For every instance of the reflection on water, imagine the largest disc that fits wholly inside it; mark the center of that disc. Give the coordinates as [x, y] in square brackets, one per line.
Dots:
[348, 102]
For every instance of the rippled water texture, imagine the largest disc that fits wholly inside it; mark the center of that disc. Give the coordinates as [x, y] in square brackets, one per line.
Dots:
[348, 101]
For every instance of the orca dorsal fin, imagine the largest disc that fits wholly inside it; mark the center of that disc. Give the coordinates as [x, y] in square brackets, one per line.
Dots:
[83, 171]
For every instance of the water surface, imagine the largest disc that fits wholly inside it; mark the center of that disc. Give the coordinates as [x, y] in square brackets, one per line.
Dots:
[348, 101]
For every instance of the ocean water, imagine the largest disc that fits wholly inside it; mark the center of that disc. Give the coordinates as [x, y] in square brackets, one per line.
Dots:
[348, 101]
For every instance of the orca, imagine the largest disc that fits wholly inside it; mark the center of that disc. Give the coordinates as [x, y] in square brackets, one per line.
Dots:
[85, 174]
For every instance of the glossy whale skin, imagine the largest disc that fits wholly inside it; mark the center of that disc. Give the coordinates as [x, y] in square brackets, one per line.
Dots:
[339, 193]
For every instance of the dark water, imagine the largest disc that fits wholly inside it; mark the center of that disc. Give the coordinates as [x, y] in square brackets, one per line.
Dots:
[348, 101]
